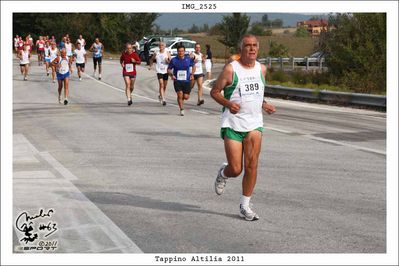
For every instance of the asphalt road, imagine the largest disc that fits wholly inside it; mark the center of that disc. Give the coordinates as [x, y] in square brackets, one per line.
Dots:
[140, 178]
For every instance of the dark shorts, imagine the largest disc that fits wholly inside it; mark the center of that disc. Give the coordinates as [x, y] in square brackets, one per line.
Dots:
[185, 87]
[23, 64]
[198, 76]
[98, 60]
[162, 76]
[62, 76]
[81, 65]
[41, 52]
[130, 76]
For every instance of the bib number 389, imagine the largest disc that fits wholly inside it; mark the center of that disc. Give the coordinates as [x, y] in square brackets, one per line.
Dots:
[250, 91]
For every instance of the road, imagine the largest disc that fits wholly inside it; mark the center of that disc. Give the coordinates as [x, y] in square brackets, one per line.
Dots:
[140, 178]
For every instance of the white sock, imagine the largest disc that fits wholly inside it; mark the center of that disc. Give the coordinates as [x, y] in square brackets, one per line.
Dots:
[245, 201]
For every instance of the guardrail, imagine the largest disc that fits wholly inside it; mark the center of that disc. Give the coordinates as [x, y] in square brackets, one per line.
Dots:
[362, 99]
[293, 62]
[328, 96]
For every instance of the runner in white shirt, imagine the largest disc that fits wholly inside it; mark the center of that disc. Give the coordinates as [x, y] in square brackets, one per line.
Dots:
[63, 65]
[53, 52]
[162, 58]
[80, 58]
[24, 56]
[199, 59]
[47, 57]
[243, 83]
[81, 41]
[69, 50]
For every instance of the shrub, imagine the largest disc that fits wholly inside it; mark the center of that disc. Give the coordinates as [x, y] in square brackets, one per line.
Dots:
[279, 75]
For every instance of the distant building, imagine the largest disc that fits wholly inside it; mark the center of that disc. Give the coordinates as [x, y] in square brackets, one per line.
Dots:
[314, 27]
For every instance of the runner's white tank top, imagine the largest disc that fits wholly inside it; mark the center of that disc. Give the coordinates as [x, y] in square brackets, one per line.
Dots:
[64, 65]
[162, 66]
[46, 52]
[68, 48]
[198, 65]
[25, 57]
[247, 90]
[53, 54]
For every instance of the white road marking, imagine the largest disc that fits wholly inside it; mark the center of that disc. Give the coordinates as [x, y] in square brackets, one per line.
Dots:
[346, 144]
[57, 166]
[71, 207]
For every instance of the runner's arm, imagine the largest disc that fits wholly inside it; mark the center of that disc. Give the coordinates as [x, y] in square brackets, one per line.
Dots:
[224, 79]
[136, 59]
[151, 61]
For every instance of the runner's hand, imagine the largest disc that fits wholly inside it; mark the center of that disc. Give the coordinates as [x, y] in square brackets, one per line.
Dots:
[268, 108]
[234, 107]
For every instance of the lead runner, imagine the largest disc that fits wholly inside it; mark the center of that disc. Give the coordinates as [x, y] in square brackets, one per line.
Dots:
[243, 84]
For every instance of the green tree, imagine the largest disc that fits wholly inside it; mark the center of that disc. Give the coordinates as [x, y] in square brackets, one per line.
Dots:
[301, 32]
[265, 21]
[232, 29]
[114, 29]
[194, 29]
[278, 49]
[205, 28]
[257, 29]
[356, 51]
[277, 23]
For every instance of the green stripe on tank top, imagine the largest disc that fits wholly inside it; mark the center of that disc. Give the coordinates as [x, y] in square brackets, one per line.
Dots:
[228, 91]
[263, 78]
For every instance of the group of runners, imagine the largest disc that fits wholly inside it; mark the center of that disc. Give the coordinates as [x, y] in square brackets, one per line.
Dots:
[239, 89]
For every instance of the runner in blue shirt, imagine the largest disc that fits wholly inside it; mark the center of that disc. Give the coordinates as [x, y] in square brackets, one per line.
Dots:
[179, 71]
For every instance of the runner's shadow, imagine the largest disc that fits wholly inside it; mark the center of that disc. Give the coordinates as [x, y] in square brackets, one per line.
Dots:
[116, 198]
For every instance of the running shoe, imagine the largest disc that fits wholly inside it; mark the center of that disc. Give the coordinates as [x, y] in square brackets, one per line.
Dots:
[80, 79]
[59, 100]
[163, 102]
[160, 99]
[25, 78]
[65, 101]
[248, 214]
[200, 102]
[181, 112]
[129, 102]
[53, 80]
[99, 76]
[220, 181]
[48, 73]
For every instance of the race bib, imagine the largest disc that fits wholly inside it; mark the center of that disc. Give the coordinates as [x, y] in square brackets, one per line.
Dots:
[250, 91]
[181, 75]
[129, 67]
[41, 45]
[162, 67]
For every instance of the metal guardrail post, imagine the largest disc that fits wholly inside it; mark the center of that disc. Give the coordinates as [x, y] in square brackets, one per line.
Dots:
[307, 63]
[281, 63]
[292, 63]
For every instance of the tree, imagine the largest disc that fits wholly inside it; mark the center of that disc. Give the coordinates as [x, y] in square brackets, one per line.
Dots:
[301, 32]
[233, 28]
[356, 51]
[277, 23]
[278, 49]
[114, 29]
[205, 28]
[265, 21]
[194, 29]
[257, 29]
